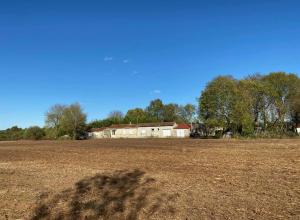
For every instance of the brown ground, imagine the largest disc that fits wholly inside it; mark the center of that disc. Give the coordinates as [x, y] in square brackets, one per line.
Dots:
[150, 179]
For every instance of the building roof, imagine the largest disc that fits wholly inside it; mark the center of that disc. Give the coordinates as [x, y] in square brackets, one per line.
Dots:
[123, 126]
[97, 129]
[183, 126]
[158, 124]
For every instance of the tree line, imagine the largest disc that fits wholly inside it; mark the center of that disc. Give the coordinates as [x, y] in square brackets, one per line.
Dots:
[70, 121]
[258, 106]
[156, 111]
[61, 121]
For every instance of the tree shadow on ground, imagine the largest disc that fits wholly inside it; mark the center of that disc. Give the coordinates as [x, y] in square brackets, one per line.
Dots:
[120, 195]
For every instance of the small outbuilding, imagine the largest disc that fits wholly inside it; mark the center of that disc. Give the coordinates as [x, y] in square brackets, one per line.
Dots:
[182, 130]
[298, 128]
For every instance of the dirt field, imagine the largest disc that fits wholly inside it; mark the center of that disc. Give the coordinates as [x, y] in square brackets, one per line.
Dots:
[150, 179]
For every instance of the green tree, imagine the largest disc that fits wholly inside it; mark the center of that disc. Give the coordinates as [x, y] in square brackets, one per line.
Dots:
[116, 117]
[253, 102]
[53, 120]
[155, 110]
[171, 112]
[270, 102]
[34, 133]
[11, 134]
[281, 87]
[100, 123]
[136, 115]
[217, 103]
[243, 114]
[73, 120]
[188, 113]
[295, 106]
[95, 124]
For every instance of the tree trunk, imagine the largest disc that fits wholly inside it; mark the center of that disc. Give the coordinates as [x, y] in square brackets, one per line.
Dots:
[74, 134]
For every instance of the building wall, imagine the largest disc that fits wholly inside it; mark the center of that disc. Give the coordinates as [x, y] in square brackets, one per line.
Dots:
[298, 130]
[141, 132]
[124, 133]
[106, 133]
[96, 134]
[155, 131]
[179, 132]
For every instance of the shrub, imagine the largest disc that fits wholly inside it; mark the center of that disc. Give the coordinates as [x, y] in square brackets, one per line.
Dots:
[34, 133]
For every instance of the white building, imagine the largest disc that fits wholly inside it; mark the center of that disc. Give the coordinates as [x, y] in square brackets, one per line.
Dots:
[122, 131]
[163, 129]
[298, 128]
[96, 133]
[142, 130]
[182, 130]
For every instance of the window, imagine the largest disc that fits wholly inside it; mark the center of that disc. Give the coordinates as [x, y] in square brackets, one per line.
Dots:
[152, 129]
[158, 129]
[113, 132]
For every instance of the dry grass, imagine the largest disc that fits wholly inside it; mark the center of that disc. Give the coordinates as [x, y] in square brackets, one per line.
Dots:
[150, 179]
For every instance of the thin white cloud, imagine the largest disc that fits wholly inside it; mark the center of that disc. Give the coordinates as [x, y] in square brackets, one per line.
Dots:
[156, 91]
[125, 61]
[134, 73]
[108, 59]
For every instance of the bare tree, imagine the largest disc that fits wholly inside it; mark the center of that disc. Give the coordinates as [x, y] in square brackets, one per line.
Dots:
[116, 116]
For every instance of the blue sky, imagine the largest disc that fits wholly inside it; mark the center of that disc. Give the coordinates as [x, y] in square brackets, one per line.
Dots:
[116, 55]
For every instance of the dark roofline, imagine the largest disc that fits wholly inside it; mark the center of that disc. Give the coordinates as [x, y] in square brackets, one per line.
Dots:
[123, 126]
[97, 129]
[156, 124]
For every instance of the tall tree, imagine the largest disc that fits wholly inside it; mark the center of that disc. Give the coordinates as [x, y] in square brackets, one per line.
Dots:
[171, 112]
[54, 117]
[253, 103]
[116, 116]
[188, 113]
[282, 87]
[136, 115]
[217, 102]
[155, 110]
[270, 102]
[73, 120]
[100, 123]
[295, 106]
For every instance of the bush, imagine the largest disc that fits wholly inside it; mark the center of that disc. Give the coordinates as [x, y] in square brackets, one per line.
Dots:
[11, 134]
[34, 133]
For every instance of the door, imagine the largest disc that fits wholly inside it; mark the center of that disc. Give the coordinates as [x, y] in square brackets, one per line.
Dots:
[166, 133]
[113, 133]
